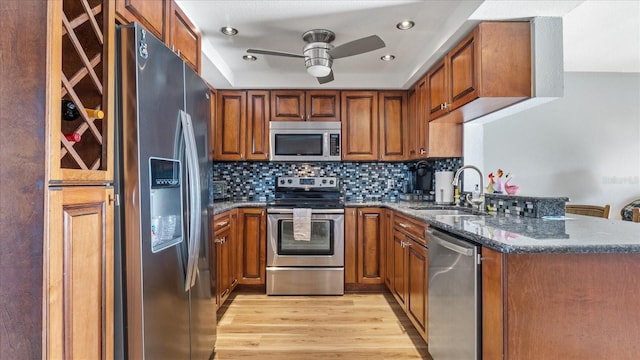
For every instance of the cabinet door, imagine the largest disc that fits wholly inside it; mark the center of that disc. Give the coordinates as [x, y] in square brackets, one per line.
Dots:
[388, 250]
[370, 246]
[437, 98]
[393, 125]
[399, 269]
[412, 131]
[184, 37]
[322, 105]
[422, 122]
[212, 122]
[359, 125]
[463, 72]
[253, 241]
[231, 120]
[287, 105]
[350, 245]
[149, 13]
[79, 281]
[258, 112]
[417, 287]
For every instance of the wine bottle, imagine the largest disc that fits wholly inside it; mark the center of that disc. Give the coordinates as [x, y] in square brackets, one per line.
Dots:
[70, 112]
[73, 137]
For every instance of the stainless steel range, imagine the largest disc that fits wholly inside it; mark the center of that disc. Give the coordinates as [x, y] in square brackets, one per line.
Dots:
[311, 264]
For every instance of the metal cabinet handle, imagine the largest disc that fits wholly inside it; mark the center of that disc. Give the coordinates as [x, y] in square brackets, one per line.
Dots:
[222, 224]
[403, 225]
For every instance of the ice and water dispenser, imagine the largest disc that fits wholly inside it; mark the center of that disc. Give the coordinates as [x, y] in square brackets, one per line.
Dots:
[165, 203]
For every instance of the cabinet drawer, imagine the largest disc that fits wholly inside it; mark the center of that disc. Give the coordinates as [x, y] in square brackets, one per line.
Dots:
[221, 222]
[414, 228]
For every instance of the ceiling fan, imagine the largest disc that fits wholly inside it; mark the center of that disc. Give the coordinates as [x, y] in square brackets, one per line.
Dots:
[319, 53]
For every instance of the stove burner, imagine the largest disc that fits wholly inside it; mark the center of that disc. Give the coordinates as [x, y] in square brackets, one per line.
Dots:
[307, 192]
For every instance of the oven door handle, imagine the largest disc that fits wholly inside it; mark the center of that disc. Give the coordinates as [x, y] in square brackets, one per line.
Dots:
[313, 211]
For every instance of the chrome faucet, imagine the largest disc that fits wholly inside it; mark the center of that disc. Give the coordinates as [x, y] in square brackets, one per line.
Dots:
[479, 201]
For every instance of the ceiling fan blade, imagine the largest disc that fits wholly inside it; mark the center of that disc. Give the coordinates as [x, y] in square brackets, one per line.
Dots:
[326, 79]
[276, 53]
[356, 47]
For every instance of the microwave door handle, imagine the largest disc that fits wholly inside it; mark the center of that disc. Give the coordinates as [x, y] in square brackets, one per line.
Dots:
[325, 145]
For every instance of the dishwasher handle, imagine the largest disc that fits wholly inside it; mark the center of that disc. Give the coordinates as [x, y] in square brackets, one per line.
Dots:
[447, 242]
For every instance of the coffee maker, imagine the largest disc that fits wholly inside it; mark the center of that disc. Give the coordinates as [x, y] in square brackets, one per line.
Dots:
[422, 179]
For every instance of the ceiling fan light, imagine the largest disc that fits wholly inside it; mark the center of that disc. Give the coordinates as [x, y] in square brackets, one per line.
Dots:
[318, 70]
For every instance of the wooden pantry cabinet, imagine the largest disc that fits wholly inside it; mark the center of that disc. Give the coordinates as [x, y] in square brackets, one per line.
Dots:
[486, 71]
[241, 125]
[78, 249]
[301, 105]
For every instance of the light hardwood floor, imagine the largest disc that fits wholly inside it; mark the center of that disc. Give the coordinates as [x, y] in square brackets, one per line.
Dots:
[353, 326]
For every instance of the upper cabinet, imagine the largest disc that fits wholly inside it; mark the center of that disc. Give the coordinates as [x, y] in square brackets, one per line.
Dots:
[300, 105]
[184, 37]
[488, 70]
[82, 74]
[242, 125]
[165, 20]
[230, 124]
[359, 125]
[394, 127]
[151, 14]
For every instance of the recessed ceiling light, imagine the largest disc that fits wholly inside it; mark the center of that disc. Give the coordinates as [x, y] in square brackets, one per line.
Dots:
[228, 30]
[405, 25]
[387, 57]
[249, 58]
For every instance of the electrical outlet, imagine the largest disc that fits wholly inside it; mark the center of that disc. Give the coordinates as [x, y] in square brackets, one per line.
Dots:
[390, 183]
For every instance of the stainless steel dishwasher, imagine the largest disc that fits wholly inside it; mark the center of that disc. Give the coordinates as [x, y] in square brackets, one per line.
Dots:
[454, 303]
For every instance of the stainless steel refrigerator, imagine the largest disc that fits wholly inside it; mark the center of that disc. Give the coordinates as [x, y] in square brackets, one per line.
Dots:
[166, 304]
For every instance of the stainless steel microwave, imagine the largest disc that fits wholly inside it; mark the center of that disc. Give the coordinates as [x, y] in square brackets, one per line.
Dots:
[304, 140]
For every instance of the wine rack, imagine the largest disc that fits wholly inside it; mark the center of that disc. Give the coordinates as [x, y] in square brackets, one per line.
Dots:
[84, 72]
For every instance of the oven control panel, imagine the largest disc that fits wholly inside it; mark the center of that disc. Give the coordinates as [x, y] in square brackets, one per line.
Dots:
[307, 182]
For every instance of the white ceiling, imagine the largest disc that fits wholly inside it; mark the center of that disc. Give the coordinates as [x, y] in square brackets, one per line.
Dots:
[598, 36]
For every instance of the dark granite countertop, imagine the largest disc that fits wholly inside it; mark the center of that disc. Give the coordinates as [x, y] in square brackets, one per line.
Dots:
[513, 234]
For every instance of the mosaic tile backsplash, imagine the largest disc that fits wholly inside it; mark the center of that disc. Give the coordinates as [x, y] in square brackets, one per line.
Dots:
[256, 180]
[528, 206]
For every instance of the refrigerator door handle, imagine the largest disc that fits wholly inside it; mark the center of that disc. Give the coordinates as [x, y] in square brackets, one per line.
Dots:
[193, 174]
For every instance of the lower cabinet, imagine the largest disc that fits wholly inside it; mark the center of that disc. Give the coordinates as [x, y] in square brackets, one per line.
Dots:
[408, 281]
[225, 245]
[364, 246]
[240, 240]
[252, 252]
[79, 273]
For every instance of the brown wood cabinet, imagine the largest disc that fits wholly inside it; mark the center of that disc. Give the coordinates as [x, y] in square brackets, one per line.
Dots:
[225, 243]
[79, 274]
[364, 246]
[560, 306]
[252, 255]
[408, 280]
[242, 125]
[360, 126]
[230, 124]
[388, 249]
[151, 14]
[165, 20]
[310, 105]
[322, 105]
[394, 127]
[257, 139]
[184, 38]
[213, 101]
[488, 70]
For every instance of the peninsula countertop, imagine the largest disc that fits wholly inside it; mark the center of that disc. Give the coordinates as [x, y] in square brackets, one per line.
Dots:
[509, 233]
